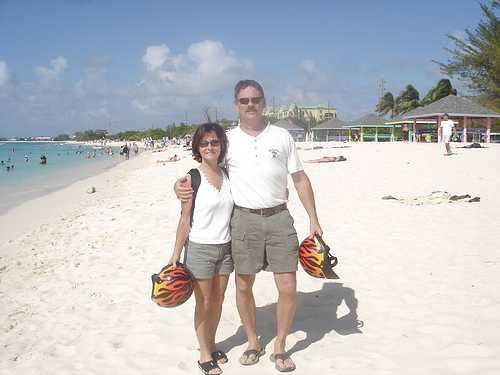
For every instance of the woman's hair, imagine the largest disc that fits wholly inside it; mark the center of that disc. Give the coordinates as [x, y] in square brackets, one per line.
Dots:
[200, 133]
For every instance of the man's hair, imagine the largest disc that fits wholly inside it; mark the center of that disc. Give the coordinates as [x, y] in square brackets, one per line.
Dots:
[200, 133]
[446, 115]
[243, 84]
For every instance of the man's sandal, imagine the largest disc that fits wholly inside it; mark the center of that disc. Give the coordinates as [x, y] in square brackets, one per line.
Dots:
[256, 353]
[208, 366]
[220, 357]
[283, 356]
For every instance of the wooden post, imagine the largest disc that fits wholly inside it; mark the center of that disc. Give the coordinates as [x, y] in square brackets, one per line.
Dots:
[464, 135]
[392, 133]
[439, 132]
[488, 130]
[414, 129]
[376, 134]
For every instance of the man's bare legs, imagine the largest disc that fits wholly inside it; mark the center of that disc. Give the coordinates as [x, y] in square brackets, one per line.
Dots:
[448, 148]
[286, 284]
[247, 310]
[285, 311]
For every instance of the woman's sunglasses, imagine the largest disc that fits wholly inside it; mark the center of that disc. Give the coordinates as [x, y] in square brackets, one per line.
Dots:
[213, 143]
[255, 100]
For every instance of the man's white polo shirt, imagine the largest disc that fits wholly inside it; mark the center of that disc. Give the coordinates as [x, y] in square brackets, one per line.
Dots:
[447, 126]
[259, 166]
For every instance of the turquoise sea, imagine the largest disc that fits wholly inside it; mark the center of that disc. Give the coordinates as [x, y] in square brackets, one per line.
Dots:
[22, 177]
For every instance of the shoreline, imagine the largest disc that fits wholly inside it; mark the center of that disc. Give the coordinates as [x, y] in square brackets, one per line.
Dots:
[65, 179]
[43, 206]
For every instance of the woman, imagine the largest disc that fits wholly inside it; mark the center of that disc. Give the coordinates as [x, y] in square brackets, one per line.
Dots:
[208, 251]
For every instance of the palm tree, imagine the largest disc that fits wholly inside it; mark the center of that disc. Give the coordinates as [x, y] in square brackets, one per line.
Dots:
[385, 105]
[407, 100]
[442, 89]
[476, 59]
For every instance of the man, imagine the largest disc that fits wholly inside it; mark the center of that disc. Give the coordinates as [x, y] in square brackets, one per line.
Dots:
[446, 130]
[259, 159]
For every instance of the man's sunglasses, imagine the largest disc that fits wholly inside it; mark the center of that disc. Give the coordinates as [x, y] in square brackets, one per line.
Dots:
[213, 143]
[255, 100]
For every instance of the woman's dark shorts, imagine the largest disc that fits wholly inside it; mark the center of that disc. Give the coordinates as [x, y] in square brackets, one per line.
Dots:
[206, 260]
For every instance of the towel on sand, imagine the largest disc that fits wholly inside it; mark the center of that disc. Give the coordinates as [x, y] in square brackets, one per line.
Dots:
[436, 197]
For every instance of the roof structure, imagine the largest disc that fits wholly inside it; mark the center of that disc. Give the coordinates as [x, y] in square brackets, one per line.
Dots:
[398, 120]
[333, 123]
[287, 124]
[369, 120]
[454, 106]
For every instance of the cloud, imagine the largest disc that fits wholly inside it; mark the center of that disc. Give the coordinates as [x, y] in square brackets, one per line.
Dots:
[172, 86]
[94, 81]
[57, 67]
[310, 85]
[205, 69]
[158, 57]
[4, 73]
[309, 67]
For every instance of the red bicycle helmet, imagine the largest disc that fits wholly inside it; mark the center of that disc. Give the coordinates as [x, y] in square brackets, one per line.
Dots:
[315, 258]
[172, 286]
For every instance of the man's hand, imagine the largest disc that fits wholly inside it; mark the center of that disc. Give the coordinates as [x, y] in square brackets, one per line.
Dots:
[315, 228]
[182, 188]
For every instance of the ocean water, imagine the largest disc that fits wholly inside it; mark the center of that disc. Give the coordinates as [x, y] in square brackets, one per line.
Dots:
[66, 163]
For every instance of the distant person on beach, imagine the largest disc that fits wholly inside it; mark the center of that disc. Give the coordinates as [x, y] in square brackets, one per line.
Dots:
[447, 126]
[208, 250]
[260, 158]
[170, 159]
[327, 159]
[126, 152]
[404, 134]
[43, 159]
[418, 134]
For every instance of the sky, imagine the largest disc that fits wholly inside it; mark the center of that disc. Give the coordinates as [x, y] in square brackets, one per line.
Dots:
[72, 65]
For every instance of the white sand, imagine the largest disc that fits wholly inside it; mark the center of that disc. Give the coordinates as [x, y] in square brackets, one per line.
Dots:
[422, 279]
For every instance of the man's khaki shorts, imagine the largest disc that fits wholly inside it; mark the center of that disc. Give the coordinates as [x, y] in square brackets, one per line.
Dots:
[263, 243]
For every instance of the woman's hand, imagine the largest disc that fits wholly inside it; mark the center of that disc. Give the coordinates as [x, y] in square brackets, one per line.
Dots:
[174, 259]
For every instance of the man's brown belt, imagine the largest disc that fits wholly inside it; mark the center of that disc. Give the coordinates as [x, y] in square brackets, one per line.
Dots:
[270, 211]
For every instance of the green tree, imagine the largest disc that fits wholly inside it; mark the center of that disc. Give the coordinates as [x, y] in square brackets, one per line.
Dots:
[130, 135]
[62, 137]
[476, 60]
[385, 104]
[90, 135]
[155, 133]
[407, 100]
[441, 90]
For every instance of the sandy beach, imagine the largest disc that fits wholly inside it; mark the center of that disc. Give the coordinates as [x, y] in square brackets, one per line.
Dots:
[417, 295]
